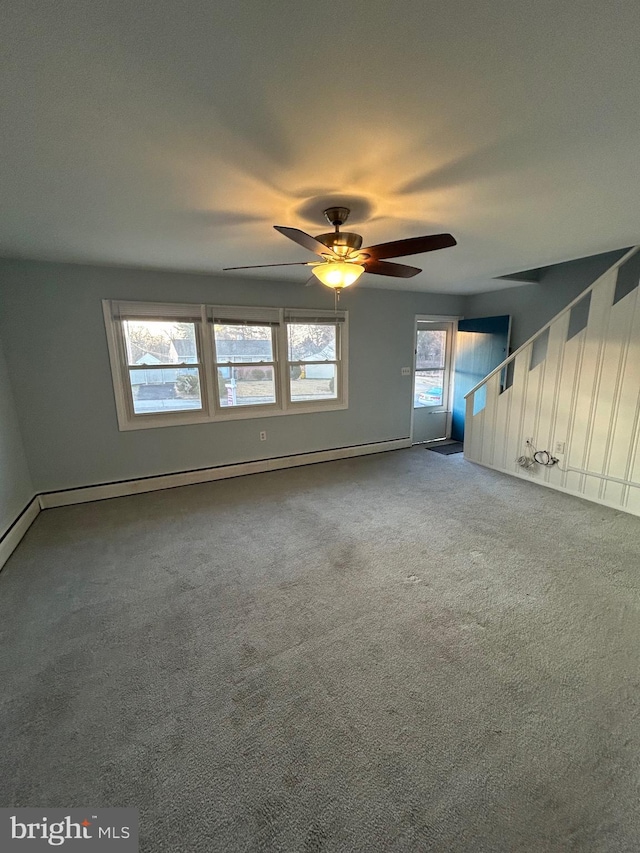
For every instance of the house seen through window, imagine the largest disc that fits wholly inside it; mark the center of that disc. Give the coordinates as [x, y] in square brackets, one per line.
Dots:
[192, 363]
[154, 349]
[245, 364]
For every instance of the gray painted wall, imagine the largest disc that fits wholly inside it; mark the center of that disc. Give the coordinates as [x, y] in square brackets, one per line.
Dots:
[16, 488]
[56, 353]
[533, 305]
[55, 342]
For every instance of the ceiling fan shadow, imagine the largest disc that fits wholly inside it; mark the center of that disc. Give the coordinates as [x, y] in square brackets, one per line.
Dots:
[505, 156]
[220, 218]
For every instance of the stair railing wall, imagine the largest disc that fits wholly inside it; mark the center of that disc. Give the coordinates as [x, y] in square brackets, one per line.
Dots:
[579, 400]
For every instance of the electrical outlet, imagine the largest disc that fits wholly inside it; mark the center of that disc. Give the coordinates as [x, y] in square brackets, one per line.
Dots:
[263, 435]
[406, 371]
[559, 448]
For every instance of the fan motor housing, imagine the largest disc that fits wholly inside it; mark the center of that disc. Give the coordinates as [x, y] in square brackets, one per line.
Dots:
[341, 242]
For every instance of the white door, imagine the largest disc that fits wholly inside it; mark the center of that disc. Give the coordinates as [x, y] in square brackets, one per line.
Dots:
[432, 379]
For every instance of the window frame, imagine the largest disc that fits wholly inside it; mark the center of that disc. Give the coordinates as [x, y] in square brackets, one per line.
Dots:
[440, 324]
[202, 315]
[257, 408]
[307, 318]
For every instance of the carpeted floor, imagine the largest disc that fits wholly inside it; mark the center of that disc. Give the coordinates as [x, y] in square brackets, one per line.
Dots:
[401, 652]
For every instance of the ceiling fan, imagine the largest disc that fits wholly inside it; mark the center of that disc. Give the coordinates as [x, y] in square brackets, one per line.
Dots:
[343, 259]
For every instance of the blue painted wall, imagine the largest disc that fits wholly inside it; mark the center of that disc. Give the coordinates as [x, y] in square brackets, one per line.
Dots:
[481, 344]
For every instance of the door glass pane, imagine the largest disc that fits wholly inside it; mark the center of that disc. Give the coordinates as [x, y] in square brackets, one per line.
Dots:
[313, 382]
[165, 389]
[246, 386]
[431, 347]
[428, 388]
[243, 343]
[156, 342]
[311, 342]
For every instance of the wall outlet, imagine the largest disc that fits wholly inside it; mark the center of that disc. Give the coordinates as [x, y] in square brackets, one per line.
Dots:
[406, 371]
[559, 448]
[263, 435]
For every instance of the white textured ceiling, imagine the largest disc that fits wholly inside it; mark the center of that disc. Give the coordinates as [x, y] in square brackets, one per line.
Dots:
[175, 134]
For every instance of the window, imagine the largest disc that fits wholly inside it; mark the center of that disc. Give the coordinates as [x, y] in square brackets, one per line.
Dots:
[313, 358]
[431, 372]
[244, 348]
[157, 356]
[177, 364]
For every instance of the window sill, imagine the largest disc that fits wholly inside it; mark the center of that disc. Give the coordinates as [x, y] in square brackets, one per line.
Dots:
[172, 419]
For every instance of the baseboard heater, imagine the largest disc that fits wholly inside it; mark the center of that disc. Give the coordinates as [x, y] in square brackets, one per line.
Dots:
[157, 482]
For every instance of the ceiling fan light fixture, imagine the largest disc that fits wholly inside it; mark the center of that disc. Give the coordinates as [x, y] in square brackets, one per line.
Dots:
[344, 260]
[338, 274]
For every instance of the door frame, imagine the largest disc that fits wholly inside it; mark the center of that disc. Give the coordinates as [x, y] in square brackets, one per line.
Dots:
[450, 357]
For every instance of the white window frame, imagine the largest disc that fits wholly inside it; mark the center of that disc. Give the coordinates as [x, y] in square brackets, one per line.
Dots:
[437, 324]
[203, 316]
[311, 318]
[250, 316]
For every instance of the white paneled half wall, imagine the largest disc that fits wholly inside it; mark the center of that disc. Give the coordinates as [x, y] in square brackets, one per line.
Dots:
[572, 390]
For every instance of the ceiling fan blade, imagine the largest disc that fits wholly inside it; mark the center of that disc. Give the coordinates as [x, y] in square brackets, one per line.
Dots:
[411, 246]
[303, 239]
[386, 268]
[259, 266]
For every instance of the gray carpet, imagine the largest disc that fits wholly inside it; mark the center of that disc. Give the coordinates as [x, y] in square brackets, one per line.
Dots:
[394, 653]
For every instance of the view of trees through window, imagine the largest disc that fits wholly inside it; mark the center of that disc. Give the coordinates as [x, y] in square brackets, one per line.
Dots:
[431, 347]
[155, 339]
[311, 342]
[312, 349]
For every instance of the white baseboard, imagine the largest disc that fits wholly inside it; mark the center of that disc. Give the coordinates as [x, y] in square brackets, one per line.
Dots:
[13, 536]
[562, 489]
[205, 475]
